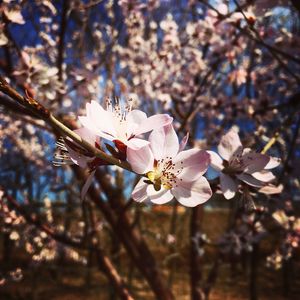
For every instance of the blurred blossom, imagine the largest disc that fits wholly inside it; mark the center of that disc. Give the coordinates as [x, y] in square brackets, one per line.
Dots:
[14, 16]
[238, 76]
[242, 164]
[171, 239]
[199, 240]
[274, 261]
[36, 74]
[16, 275]
[14, 236]
[3, 38]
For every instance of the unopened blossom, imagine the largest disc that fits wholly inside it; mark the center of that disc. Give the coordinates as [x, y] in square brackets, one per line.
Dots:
[169, 172]
[122, 126]
[240, 164]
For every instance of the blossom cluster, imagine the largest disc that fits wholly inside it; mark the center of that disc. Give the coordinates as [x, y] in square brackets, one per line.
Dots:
[167, 170]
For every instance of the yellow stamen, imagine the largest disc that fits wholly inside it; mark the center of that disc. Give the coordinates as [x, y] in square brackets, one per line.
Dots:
[151, 176]
[166, 186]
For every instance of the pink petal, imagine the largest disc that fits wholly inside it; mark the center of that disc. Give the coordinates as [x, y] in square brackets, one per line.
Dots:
[247, 178]
[271, 189]
[254, 162]
[228, 186]
[87, 135]
[191, 163]
[86, 185]
[229, 144]
[102, 119]
[216, 161]
[273, 163]
[183, 142]
[159, 197]
[136, 116]
[192, 193]
[141, 160]
[264, 176]
[153, 122]
[134, 119]
[139, 193]
[99, 121]
[136, 143]
[86, 122]
[77, 158]
[164, 142]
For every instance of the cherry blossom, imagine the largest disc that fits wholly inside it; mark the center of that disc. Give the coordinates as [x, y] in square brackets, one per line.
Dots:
[123, 125]
[240, 163]
[169, 172]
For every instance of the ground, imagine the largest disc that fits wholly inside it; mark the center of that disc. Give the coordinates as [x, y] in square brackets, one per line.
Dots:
[69, 281]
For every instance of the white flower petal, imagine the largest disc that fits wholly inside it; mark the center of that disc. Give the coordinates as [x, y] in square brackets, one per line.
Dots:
[159, 197]
[77, 158]
[86, 122]
[216, 161]
[254, 162]
[87, 135]
[136, 143]
[192, 193]
[229, 144]
[164, 142]
[192, 164]
[102, 119]
[153, 122]
[228, 186]
[183, 142]
[271, 189]
[136, 116]
[134, 120]
[139, 192]
[141, 160]
[263, 175]
[273, 163]
[247, 178]
[87, 184]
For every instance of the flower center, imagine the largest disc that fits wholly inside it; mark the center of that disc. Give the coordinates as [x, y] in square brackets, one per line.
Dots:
[165, 174]
[234, 166]
[117, 110]
[119, 114]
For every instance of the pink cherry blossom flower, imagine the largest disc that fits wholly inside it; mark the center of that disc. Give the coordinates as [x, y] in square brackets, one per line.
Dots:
[169, 172]
[120, 125]
[242, 164]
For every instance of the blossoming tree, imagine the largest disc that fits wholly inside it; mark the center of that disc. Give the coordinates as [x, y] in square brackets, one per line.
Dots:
[116, 85]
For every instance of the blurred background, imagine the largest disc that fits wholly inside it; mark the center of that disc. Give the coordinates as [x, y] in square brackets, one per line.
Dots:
[212, 65]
